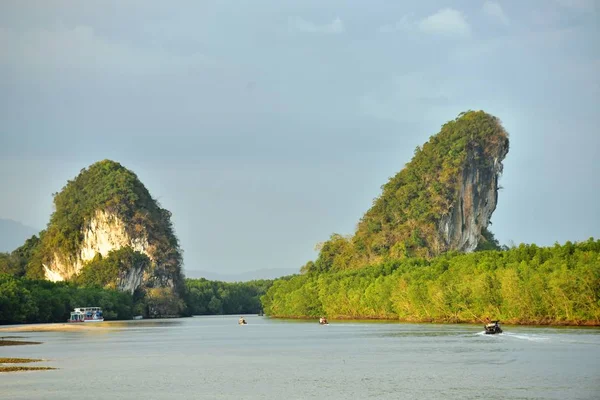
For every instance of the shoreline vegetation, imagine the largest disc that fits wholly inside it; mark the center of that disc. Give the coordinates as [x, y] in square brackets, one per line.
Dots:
[30, 301]
[525, 285]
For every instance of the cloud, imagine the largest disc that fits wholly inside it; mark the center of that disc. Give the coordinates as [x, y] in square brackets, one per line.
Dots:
[582, 5]
[445, 22]
[82, 48]
[301, 25]
[494, 10]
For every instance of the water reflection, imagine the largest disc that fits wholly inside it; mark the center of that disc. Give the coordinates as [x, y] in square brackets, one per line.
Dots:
[143, 323]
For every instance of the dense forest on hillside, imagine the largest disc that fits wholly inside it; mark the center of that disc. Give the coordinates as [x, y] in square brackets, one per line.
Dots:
[405, 219]
[523, 285]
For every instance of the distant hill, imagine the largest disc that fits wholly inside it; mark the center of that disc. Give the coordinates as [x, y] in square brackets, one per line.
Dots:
[267, 273]
[13, 234]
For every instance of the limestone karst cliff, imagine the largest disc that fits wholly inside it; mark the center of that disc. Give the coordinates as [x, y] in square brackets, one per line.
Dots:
[104, 209]
[103, 233]
[477, 196]
[441, 201]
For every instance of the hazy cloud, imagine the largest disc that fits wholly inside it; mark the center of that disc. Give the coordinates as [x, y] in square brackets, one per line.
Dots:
[82, 48]
[299, 24]
[447, 22]
[494, 10]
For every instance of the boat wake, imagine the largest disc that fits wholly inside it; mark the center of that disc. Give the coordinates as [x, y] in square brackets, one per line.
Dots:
[525, 336]
[519, 336]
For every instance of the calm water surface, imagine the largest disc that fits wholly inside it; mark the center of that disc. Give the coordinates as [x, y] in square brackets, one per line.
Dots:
[214, 358]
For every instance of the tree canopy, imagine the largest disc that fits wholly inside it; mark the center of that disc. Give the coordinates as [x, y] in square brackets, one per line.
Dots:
[526, 284]
[205, 297]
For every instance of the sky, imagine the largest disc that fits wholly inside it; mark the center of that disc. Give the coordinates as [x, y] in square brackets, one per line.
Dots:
[265, 126]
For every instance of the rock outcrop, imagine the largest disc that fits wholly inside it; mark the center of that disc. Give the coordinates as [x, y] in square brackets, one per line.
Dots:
[441, 201]
[105, 209]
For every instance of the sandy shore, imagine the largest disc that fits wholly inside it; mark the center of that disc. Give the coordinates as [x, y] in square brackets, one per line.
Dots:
[49, 328]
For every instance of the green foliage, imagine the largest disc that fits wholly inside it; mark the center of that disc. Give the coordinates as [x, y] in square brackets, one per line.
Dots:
[9, 265]
[108, 271]
[23, 300]
[525, 284]
[163, 302]
[403, 221]
[26, 260]
[488, 241]
[204, 297]
[334, 254]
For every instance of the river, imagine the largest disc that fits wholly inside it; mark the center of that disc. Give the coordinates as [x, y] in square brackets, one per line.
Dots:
[214, 358]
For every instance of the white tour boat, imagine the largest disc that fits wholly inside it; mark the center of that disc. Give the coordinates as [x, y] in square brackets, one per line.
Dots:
[86, 314]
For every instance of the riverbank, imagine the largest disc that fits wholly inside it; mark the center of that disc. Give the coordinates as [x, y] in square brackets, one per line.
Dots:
[371, 319]
[61, 327]
[525, 285]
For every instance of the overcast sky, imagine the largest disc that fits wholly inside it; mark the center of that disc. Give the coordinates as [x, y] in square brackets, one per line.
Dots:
[264, 126]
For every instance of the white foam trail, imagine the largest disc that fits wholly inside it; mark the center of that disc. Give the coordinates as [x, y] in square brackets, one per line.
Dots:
[531, 337]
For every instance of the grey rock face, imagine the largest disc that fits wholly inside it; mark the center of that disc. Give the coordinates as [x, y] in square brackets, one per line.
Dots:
[461, 228]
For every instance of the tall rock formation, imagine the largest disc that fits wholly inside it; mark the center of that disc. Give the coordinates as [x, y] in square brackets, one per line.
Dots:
[441, 201]
[104, 209]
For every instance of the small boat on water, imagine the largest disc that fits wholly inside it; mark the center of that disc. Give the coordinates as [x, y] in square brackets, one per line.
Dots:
[86, 314]
[323, 321]
[242, 321]
[492, 328]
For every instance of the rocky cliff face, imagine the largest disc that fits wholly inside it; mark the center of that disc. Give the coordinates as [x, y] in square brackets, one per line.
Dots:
[104, 233]
[461, 229]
